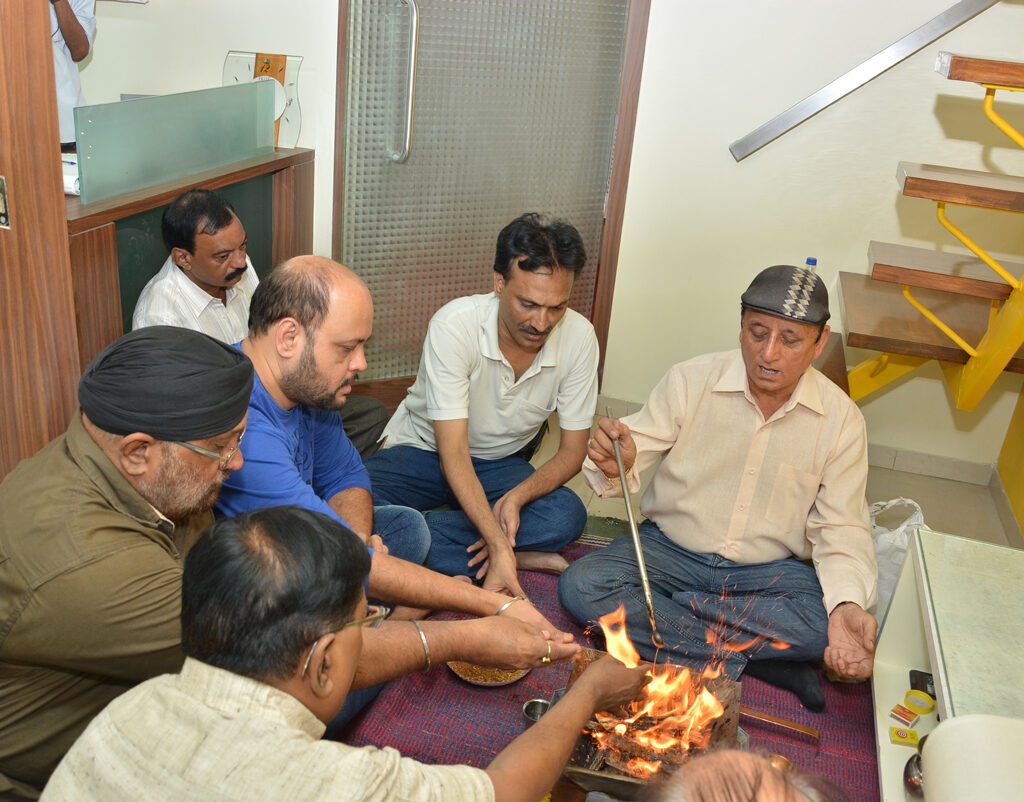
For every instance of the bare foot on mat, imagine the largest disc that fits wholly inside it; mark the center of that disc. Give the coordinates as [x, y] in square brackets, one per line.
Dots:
[544, 562]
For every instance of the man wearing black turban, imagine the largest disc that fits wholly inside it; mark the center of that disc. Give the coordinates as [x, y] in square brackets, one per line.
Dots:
[93, 529]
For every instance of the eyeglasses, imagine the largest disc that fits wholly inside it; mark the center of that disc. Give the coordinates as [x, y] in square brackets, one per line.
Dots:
[223, 459]
[375, 615]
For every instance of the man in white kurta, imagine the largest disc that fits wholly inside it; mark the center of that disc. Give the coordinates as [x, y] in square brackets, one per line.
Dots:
[276, 629]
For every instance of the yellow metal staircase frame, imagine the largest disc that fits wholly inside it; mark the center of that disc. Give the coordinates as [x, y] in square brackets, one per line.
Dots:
[1005, 334]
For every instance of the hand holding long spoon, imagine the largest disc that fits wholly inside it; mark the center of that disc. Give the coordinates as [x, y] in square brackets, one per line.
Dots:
[644, 581]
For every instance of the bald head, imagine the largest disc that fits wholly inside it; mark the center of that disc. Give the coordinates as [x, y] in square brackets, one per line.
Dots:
[308, 323]
[304, 288]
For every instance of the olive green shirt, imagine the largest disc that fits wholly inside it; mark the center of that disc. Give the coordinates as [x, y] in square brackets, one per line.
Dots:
[90, 597]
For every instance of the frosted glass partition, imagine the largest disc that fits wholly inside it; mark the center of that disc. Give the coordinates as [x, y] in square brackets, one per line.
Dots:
[515, 111]
[133, 144]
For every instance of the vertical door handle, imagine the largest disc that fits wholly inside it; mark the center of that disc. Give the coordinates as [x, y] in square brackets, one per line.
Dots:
[401, 156]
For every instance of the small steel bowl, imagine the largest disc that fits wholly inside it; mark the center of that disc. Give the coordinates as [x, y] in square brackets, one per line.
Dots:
[535, 708]
[781, 763]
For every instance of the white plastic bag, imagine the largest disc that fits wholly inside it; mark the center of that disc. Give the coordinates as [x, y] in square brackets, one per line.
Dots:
[891, 545]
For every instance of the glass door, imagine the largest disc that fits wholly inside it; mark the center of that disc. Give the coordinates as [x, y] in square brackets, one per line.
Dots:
[513, 109]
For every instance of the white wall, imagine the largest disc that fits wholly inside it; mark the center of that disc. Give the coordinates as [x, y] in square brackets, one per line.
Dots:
[170, 46]
[699, 225]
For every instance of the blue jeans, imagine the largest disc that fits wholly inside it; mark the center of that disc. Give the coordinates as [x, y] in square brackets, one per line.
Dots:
[412, 477]
[745, 610]
[403, 531]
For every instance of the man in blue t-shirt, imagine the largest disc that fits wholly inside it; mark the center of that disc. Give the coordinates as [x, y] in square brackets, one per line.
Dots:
[308, 323]
[309, 320]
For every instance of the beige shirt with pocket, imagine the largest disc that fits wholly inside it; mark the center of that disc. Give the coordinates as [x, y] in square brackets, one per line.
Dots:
[752, 490]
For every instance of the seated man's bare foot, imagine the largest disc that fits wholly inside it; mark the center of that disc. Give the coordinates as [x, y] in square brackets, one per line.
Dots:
[403, 613]
[545, 562]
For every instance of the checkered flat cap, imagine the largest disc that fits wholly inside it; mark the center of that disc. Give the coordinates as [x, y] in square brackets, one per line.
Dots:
[791, 292]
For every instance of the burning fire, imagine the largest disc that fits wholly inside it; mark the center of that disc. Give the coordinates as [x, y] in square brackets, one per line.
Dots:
[674, 710]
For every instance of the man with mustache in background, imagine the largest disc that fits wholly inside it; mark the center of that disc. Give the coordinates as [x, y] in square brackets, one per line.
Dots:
[207, 284]
[493, 369]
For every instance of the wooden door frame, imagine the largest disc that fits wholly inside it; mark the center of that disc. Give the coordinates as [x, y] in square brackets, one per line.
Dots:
[611, 235]
[38, 343]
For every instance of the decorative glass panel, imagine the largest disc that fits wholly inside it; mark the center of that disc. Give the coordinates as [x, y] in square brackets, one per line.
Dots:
[138, 143]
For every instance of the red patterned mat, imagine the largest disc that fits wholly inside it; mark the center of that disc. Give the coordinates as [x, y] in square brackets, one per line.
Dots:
[435, 717]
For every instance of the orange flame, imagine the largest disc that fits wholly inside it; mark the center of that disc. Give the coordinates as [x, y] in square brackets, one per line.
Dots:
[638, 767]
[676, 700]
[619, 645]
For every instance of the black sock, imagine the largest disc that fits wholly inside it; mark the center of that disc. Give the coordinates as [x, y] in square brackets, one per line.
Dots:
[790, 675]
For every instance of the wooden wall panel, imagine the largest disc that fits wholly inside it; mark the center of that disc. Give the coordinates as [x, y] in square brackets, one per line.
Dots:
[97, 290]
[293, 212]
[38, 346]
[389, 392]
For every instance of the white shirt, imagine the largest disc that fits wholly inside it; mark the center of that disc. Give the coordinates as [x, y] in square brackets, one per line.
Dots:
[69, 84]
[752, 490]
[209, 734]
[463, 374]
[171, 298]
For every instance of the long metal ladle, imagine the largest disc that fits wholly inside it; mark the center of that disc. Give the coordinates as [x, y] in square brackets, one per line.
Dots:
[644, 581]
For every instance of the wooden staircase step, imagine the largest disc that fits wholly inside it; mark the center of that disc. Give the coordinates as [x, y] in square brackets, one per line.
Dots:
[949, 272]
[878, 317]
[967, 187]
[980, 70]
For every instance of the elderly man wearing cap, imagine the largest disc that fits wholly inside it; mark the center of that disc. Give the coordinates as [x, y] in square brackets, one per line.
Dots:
[762, 467]
[92, 533]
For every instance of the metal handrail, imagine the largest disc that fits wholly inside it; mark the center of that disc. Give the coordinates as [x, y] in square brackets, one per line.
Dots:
[401, 156]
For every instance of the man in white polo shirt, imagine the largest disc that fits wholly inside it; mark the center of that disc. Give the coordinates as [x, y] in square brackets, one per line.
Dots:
[207, 283]
[494, 367]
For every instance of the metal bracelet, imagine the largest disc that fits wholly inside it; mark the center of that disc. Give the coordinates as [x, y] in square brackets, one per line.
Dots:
[508, 604]
[423, 640]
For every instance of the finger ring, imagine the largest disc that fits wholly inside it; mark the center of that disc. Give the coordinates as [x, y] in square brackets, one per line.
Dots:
[546, 658]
